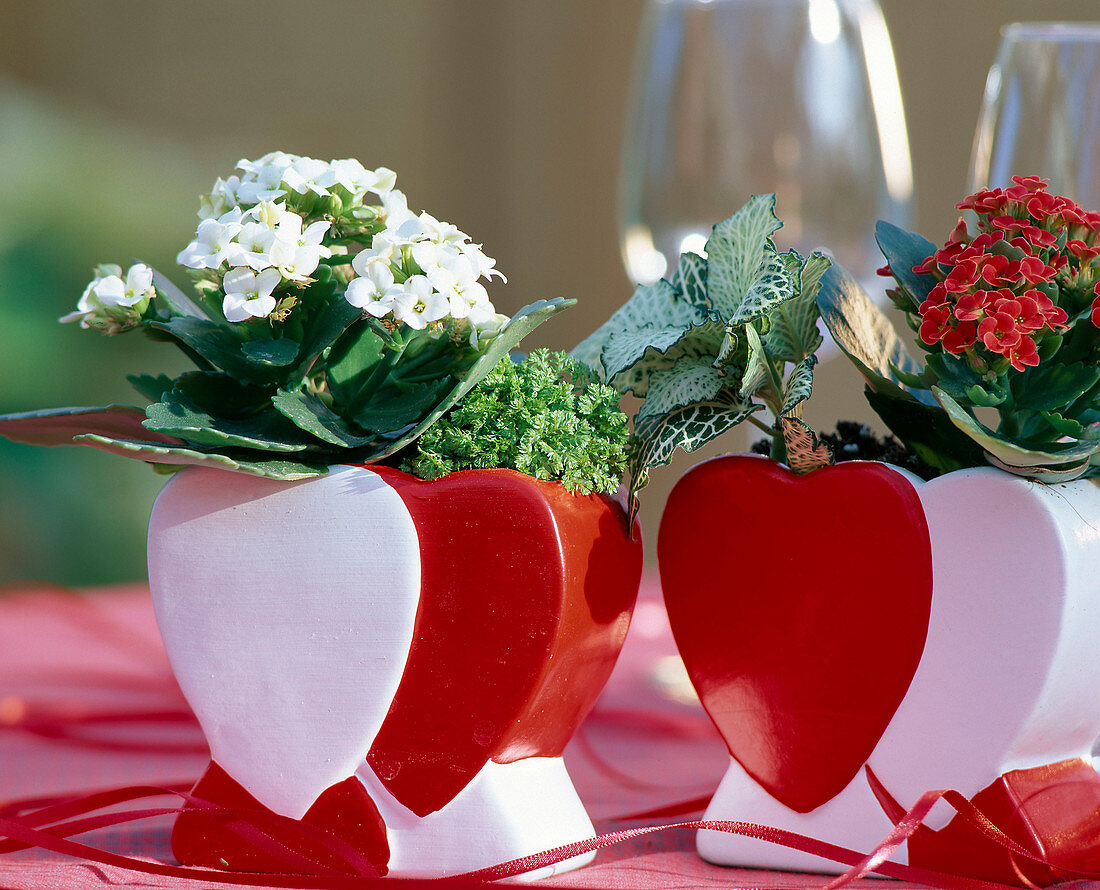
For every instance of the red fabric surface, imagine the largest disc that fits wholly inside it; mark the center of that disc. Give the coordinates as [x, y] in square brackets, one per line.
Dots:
[72, 667]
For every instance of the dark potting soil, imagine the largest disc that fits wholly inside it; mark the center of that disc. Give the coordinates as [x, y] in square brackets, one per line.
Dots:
[857, 441]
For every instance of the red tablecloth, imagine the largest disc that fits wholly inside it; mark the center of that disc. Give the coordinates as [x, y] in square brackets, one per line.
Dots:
[72, 666]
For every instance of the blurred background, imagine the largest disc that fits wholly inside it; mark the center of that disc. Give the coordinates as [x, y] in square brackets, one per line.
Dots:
[501, 116]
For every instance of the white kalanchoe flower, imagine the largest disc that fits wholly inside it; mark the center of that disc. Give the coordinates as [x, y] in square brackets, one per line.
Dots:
[309, 175]
[111, 304]
[374, 290]
[215, 242]
[418, 305]
[297, 253]
[458, 283]
[222, 198]
[254, 242]
[248, 294]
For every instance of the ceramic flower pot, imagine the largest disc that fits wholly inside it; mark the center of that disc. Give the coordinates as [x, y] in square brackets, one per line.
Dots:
[392, 666]
[942, 633]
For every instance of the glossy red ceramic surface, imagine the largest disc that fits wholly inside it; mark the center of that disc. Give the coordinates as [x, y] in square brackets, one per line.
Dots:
[526, 596]
[800, 605]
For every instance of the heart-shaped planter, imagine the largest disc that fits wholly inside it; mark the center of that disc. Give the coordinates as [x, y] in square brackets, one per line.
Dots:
[942, 633]
[387, 665]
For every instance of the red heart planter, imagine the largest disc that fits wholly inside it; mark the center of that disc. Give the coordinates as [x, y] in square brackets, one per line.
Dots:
[398, 662]
[800, 606]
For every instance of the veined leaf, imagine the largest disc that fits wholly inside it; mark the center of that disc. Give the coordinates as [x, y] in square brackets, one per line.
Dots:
[625, 349]
[755, 374]
[865, 335]
[686, 382]
[799, 384]
[773, 286]
[656, 305]
[157, 453]
[794, 334]
[805, 452]
[903, 250]
[735, 253]
[702, 341]
[310, 414]
[61, 426]
[1009, 455]
[521, 324]
[689, 279]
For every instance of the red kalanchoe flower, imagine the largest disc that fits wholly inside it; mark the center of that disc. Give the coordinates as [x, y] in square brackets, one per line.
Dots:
[1096, 305]
[1022, 354]
[936, 322]
[959, 338]
[965, 274]
[1023, 311]
[1085, 253]
[975, 305]
[1053, 316]
[1034, 271]
[998, 331]
[884, 271]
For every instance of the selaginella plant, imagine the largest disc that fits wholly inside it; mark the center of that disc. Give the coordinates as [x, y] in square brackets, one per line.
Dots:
[1008, 316]
[328, 324]
[724, 337]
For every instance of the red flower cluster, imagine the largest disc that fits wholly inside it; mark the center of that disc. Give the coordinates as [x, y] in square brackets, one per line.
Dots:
[994, 288]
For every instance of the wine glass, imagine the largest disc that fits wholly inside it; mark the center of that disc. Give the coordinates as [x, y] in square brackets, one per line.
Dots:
[1041, 111]
[738, 97]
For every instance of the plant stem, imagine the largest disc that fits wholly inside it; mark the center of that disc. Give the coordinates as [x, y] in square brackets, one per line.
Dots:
[760, 425]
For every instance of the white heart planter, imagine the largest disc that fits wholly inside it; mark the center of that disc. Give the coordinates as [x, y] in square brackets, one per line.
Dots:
[1003, 704]
[390, 663]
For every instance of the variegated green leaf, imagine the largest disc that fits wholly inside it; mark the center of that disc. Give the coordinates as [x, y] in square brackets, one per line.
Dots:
[799, 385]
[1062, 456]
[689, 279]
[735, 253]
[773, 286]
[656, 305]
[702, 342]
[756, 363]
[804, 451]
[686, 382]
[794, 333]
[156, 453]
[626, 348]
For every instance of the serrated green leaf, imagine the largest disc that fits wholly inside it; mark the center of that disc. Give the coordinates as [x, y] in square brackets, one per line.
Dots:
[1008, 454]
[310, 414]
[794, 334]
[157, 453]
[216, 344]
[755, 373]
[153, 388]
[392, 412]
[329, 326]
[903, 250]
[805, 452]
[61, 426]
[689, 279]
[686, 382]
[656, 305]
[981, 397]
[955, 377]
[1066, 426]
[178, 416]
[773, 286]
[799, 384]
[273, 353]
[1054, 386]
[736, 253]
[521, 324]
[865, 335]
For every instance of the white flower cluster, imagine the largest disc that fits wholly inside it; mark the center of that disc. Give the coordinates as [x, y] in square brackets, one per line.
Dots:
[113, 304]
[446, 285]
[255, 242]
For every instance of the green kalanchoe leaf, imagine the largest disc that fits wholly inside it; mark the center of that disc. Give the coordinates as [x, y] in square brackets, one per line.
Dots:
[177, 416]
[903, 250]
[181, 456]
[153, 388]
[216, 344]
[928, 431]
[1060, 457]
[865, 335]
[1051, 387]
[271, 353]
[62, 426]
[311, 415]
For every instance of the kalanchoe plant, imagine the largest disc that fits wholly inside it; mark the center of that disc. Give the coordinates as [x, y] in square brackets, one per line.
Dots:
[1009, 318]
[329, 324]
[724, 337]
